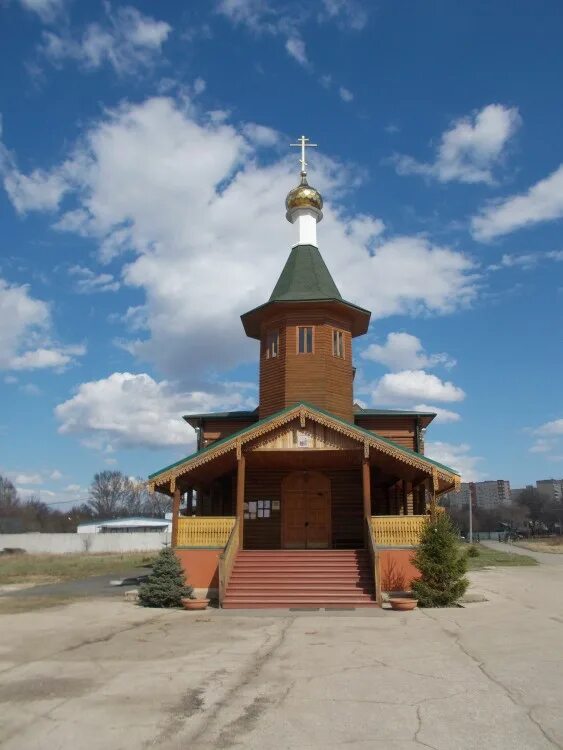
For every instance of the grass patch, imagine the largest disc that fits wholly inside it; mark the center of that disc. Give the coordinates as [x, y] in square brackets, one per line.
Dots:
[29, 568]
[493, 557]
[552, 544]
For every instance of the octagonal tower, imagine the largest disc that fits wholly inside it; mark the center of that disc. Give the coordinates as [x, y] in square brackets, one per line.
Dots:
[306, 327]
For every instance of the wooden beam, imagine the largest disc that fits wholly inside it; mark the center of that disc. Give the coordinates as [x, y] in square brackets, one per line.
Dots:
[175, 514]
[366, 488]
[241, 471]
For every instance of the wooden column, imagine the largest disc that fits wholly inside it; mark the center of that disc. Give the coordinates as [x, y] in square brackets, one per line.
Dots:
[241, 471]
[175, 514]
[366, 488]
[404, 507]
[409, 499]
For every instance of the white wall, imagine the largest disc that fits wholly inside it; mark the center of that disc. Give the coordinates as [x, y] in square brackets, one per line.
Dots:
[65, 543]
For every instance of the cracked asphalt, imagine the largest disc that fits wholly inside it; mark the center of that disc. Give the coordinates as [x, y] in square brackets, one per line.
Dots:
[105, 674]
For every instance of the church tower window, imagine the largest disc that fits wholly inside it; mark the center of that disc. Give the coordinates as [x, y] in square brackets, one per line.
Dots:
[337, 343]
[305, 340]
[273, 344]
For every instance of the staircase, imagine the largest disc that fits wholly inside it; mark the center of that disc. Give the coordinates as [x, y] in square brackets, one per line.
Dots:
[337, 579]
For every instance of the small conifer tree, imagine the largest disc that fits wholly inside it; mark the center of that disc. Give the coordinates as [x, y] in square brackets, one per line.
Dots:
[442, 567]
[166, 586]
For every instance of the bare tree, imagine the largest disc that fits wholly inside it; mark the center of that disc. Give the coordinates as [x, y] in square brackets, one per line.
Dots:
[9, 500]
[110, 494]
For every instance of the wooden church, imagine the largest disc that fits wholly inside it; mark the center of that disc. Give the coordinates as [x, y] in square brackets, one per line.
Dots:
[309, 500]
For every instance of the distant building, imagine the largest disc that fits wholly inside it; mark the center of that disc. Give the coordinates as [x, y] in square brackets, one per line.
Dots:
[487, 495]
[551, 489]
[125, 525]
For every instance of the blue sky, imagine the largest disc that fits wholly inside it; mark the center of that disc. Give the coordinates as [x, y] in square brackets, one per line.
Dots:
[145, 162]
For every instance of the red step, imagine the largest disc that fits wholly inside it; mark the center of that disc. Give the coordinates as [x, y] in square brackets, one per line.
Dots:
[300, 579]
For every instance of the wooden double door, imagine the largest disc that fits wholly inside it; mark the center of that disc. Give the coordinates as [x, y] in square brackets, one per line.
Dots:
[306, 511]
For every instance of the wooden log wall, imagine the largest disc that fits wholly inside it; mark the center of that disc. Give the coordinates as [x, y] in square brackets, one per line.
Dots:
[318, 377]
[401, 430]
[346, 500]
[217, 429]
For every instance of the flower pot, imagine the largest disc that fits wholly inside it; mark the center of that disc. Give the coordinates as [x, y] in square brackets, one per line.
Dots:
[195, 603]
[403, 605]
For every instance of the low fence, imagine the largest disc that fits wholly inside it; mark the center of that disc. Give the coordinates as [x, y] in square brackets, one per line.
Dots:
[397, 531]
[57, 544]
[204, 531]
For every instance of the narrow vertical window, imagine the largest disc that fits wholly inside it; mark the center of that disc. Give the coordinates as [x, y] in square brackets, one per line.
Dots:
[273, 344]
[338, 343]
[305, 340]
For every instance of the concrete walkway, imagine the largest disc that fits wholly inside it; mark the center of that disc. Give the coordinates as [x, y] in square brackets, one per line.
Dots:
[547, 558]
[104, 674]
[93, 586]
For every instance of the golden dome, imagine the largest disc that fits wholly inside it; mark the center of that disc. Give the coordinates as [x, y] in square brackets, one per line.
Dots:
[304, 196]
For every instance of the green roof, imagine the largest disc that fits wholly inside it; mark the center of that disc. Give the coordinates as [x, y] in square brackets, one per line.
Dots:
[235, 415]
[393, 412]
[368, 433]
[305, 276]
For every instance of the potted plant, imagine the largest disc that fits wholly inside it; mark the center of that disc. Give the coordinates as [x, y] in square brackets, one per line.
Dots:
[403, 604]
[190, 602]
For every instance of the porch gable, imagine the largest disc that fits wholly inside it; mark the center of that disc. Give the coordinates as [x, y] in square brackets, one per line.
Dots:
[310, 425]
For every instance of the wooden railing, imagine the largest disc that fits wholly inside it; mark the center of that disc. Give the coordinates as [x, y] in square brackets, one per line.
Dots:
[374, 559]
[397, 531]
[227, 560]
[204, 531]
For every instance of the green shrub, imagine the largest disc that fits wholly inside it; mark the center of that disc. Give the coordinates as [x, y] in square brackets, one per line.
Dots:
[473, 551]
[166, 586]
[441, 567]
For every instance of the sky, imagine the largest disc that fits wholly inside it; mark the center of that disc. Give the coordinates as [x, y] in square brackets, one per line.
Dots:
[145, 160]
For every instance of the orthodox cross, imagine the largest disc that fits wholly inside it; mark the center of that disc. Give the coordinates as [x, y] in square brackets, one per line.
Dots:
[303, 144]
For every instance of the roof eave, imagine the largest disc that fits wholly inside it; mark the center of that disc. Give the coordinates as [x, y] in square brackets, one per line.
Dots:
[252, 319]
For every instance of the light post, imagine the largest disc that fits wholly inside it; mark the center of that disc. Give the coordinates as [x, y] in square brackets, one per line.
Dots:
[470, 520]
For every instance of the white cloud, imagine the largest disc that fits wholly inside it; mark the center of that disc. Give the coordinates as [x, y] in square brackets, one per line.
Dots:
[551, 428]
[55, 475]
[411, 385]
[40, 358]
[295, 47]
[87, 281]
[470, 149]
[548, 439]
[402, 351]
[443, 416]
[542, 202]
[128, 41]
[456, 456]
[190, 200]
[30, 389]
[345, 94]
[261, 135]
[542, 446]
[347, 13]
[526, 261]
[47, 10]
[25, 323]
[38, 191]
[286, 20]
[126, 410]
[199, 86]
[23, 478]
